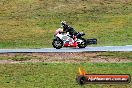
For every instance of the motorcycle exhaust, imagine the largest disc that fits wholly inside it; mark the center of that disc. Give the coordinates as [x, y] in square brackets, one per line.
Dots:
[92, 41]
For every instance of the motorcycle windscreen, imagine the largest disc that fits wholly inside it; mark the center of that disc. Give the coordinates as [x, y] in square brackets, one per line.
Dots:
[58, 31]
[91, 41]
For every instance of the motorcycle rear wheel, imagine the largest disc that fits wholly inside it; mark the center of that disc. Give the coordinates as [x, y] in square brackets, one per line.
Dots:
[83, 44]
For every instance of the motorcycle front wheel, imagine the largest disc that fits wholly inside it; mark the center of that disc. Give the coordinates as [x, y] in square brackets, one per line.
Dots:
[57, 43]
[83, 44]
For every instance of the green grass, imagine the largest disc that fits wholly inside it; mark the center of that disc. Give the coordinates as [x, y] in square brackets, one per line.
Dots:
[31, 23]
[57, 75]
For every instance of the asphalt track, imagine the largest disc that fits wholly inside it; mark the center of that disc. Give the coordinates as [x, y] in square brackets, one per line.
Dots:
[87, 49]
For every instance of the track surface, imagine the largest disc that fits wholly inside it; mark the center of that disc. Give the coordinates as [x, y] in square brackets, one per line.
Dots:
[87, 49]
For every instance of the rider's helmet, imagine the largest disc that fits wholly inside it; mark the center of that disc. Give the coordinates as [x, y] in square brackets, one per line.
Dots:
[64, 24]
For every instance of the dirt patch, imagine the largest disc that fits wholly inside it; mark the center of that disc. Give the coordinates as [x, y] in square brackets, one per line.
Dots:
[59, 58]
[109, 60]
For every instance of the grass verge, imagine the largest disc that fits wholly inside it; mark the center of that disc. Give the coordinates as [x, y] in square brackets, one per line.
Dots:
[57, 75]
[31, 23]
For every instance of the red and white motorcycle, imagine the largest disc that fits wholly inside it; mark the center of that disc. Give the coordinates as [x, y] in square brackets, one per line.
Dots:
[62, 39]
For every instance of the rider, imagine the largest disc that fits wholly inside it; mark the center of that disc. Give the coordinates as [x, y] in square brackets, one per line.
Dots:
[67, 28]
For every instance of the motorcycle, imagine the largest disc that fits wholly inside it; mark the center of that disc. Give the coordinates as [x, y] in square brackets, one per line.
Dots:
[62, 39]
